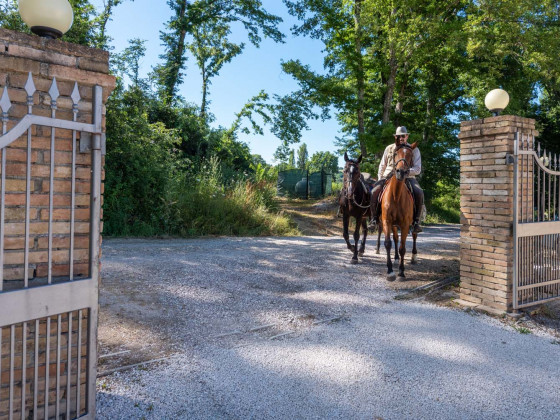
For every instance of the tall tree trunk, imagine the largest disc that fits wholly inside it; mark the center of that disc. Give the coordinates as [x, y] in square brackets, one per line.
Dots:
[177, 56]
[427, 119]
[400, 101]
[204, 93]
[360, 83]
[388, 100]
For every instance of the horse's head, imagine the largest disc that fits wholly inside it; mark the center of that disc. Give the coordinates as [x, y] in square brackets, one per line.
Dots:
[403, 160]
[351, 174]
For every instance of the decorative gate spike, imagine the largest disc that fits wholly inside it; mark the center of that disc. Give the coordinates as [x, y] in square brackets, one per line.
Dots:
[30, 85]
[53, 91]
[75, 94]
[5, 103]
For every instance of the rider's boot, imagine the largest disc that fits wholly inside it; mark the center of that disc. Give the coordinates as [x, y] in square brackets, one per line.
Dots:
[372, 226]
[416, 228]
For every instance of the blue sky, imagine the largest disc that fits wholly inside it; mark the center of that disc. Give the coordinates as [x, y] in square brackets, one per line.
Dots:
[255, 69]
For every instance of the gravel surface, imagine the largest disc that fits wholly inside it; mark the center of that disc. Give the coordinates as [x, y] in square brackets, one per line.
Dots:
[287, 328]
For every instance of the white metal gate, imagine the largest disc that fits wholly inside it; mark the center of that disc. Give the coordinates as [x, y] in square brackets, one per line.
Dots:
[536, 227]
[50, 322]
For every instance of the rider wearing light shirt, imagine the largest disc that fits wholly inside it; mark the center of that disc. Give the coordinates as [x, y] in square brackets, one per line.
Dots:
[386, 167]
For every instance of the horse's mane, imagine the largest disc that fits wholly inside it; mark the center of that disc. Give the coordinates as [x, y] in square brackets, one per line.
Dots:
[400, 146]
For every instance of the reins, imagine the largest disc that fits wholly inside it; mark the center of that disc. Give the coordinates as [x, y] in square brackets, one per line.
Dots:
[353, 198]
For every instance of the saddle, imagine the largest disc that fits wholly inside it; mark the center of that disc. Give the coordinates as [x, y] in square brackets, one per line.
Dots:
[408, 188]
[367, 180]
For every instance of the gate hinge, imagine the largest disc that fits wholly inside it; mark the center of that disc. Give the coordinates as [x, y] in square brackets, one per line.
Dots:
[510, 159]
[85, 143]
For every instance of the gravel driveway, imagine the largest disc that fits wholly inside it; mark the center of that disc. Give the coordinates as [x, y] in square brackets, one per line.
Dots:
[287, 328]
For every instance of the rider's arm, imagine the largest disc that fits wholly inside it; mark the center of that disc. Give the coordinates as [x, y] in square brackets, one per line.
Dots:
[382, 165]
[416, 163]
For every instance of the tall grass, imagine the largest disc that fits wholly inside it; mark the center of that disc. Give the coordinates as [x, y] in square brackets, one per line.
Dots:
[207, 202]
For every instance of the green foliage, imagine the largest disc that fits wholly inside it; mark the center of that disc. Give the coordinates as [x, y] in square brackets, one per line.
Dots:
[208, 22]
[324, 161]
[302, 156]
[445, 206]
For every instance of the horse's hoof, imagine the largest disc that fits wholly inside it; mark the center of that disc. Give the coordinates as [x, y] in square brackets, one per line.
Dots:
[391, 277]
[414, 259]
[354, 261]
[377, 252]
[361, 253]
[401, 277]
[397, 261]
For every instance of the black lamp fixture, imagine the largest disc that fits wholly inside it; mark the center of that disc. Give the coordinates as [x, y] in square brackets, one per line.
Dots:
[496, 101]
[47, 18]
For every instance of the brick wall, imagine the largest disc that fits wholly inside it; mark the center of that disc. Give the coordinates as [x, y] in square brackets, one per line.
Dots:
[69, 63]
[486, 258]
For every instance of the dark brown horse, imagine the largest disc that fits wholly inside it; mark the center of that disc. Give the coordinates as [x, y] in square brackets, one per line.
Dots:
[397, 209]
[354, 202]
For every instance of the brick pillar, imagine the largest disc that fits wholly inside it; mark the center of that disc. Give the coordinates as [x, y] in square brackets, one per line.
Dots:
[69, 63]
[486, 258]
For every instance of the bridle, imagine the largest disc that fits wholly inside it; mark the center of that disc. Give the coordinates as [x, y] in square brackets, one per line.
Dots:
[401, 160]
[351, 194]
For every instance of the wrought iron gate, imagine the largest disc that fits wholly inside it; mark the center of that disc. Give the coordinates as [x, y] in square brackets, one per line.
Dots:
[50, 319]
[536, 227]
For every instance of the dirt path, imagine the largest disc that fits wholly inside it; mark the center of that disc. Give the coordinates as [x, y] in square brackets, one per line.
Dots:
[288, 328]
[132, 303]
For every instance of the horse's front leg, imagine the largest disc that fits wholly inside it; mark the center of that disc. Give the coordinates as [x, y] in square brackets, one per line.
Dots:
[345, 222]
[356, 240]
[387, 231]
[396, 240]
[402, 251]
[379, 231]
[362, 250]
[414, 259]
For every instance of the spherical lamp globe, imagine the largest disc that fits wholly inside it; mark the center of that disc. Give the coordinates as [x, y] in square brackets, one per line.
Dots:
[47, 18]
[496, 101]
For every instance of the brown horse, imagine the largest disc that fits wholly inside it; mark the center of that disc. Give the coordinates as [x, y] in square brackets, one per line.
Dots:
[397, 209]
[354, 201]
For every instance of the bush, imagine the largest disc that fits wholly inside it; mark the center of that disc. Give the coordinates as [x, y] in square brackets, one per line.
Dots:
[445, 207]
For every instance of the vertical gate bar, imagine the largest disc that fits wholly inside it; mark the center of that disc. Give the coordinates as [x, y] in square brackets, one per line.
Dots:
[51, 192]
[69, 365]
[543, 196]
[12, 362]
[79, 369]
[0, 358]
[554, 194]
[94, 232]
[23, 367]
[538, 190]
[515, 220]
[27, 209]
[73, 201]
[532, 181]
[47, 367]
[2, 198]
[549, 186]
[517, 168]
[36, 371]
[27, 194]
[58, 328]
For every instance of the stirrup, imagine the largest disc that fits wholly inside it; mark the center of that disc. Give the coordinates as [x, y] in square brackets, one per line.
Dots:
[416, 228]
[372, 225]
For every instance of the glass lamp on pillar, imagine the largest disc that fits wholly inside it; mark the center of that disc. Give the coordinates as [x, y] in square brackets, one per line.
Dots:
[47, 18]
[496, 101]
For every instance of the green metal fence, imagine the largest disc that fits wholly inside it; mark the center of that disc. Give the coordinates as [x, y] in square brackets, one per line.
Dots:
[302, 184]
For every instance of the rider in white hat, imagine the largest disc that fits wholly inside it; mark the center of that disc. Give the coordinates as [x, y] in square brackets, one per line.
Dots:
[386, 171]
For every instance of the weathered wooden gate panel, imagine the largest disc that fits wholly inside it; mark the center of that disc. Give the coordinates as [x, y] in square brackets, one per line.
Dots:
[50, 212]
